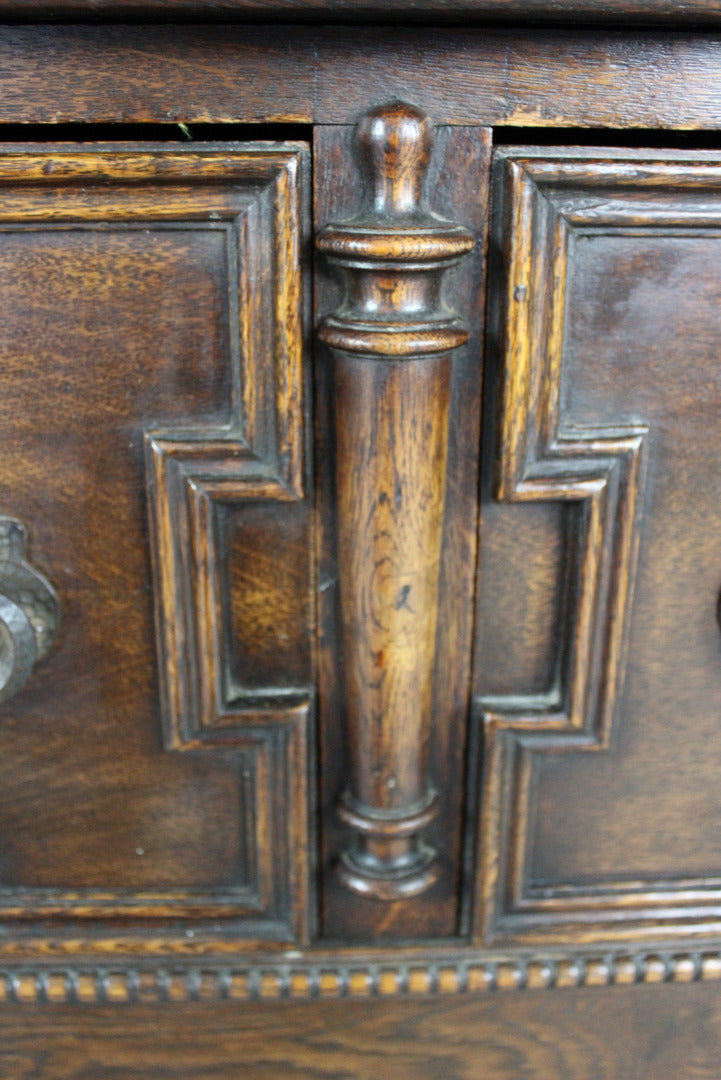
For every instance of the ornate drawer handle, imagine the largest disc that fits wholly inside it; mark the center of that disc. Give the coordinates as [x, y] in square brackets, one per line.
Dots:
[29, 610]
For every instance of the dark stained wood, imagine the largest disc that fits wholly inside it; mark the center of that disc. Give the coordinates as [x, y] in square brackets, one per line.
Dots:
[391, 340]
[658, 1032]
[100, 235]
[256, 456]
[391, 447]
[570, 78]
[158, 908]
[521, 593]
[375, 398]
[606, 265]
[266, 574]
[704, 12]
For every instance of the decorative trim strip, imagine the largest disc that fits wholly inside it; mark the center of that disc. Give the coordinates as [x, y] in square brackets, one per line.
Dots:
[137, 985]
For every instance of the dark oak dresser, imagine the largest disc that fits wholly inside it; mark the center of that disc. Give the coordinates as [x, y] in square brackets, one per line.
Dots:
[360, 540]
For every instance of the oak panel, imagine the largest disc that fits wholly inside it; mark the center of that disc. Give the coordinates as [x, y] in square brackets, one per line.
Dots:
[270, 616]
[658, 1032]
[665, 767]
[129, 313]
[517, 649]
[610, 291]
[567, 78]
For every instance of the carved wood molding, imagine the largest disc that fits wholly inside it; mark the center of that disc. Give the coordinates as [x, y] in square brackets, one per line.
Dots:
[257, 456]
[171, 982]
[543, 201]
[391, 338]
[544, 457]
[249, 201]
[195, 473]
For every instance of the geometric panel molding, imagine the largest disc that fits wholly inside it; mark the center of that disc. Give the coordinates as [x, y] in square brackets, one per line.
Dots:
[542, 204]
[243, 207]
[195, 475]
[256, 458]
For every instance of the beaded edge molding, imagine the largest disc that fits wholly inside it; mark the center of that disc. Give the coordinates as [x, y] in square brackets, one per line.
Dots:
[107, 985]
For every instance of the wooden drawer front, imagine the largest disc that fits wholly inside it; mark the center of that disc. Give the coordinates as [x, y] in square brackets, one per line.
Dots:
[158, 770]
[152, 406]
[603, 553]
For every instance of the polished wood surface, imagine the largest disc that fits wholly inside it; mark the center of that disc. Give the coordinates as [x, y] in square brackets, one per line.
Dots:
[391, 339]
[382, 398]
[603, 394]
[658, 1032]
[105, 237]
[473, 76]
[370, 443]
[547, 457]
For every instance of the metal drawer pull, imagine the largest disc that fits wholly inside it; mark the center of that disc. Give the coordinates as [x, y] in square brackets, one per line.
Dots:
[29, 610]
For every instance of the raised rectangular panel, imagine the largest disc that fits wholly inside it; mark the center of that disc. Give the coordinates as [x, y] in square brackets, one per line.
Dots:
[599, 789]
[153, 306]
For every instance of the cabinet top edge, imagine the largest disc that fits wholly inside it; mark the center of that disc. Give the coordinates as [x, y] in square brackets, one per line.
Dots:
[679, 13]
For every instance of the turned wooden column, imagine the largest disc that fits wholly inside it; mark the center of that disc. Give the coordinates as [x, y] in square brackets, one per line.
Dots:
[391, 340]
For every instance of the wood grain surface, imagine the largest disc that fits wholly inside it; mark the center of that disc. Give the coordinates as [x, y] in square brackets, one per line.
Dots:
[391, 340]
[654, 1033]
[110, 331]
[460, 193]
[607, 271]
[166, 73]
[132, 251]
